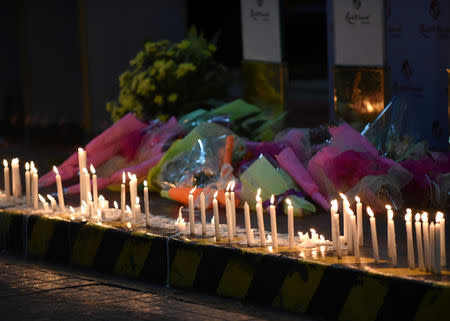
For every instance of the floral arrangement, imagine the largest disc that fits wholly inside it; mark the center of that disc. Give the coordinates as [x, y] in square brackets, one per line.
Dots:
[170, 79]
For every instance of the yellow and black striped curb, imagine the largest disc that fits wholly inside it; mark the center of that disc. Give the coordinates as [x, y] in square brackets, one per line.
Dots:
[328, 291]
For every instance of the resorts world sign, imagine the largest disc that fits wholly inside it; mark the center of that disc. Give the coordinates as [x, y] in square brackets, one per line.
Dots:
[261, 30]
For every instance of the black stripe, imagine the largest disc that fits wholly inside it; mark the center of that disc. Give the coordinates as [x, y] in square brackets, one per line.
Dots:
[268, 278]
[332, 292]
[402, 300]
[154, 269]
[61, 244]
[109, 250]
[211, 267]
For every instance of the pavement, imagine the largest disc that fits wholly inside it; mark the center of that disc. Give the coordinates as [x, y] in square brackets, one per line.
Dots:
[31, 291]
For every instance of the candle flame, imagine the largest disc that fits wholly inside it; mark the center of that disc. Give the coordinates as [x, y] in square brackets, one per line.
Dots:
[55, 169]
[71, 210]
[5, 163]
[72, 217]
[130, 176]
[439, 217]
[288, 202]
[50, 198]
[313, 231]
[134, 177]
[180, 219]
[369, 211]
[215, 194]
[145, 183]
[212, 220]
[15, 161]
[80, 150]
[334, 204]
[272, 199]
[92, 169]
[137, 200]
[193, 190]
[85, 170]
[424, 217]
[27, 166]
[343, 196]
[41, 198]
[129, 225]
[408, 210]
[229, 186]
[233, 184]
[417, 217]
[127, 209]
[116, 205]
[408, 217]
[124, 178]
[83, 204]
[388, 207]
[101, 198]
[357, 199]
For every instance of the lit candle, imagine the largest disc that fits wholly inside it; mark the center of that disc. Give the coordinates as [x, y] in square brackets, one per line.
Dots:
[359, 220]
[426, 241]
[273, 223]
[191, 211]
[391, 228]
[133, 189]
[16, 181]
[419, 243]
[146, 205]
[248, 225]
[7, 179]
[345, 205]
[409, 239]
[203, 213]
[432, 248]
[52, 202]
[81, 165]
[87, 182]
[59, 190]
[333, 212]
[290, 209]
[233, 207]
[354, 232]
[437, 236]
[216, 217]
[90, 204]
[94, 187]
[373, 233]
[137, 211]
[180, 224]
[259, 215]
[122, 197]
[336, 231]
[440, 218]
[43, 201]
[389, 236]
[27, 183]
[34, 187]
[229, 217]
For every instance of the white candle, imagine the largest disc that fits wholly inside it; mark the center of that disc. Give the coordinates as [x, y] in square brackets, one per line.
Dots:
[229, 217]
[94, 187]
[16, 181]
[191, 211]
[437, 236]
[82, 164]
[389, 236]
[27, 184]
[337, 237]
[59, 190]
[203, 213]
[146, 205]
[426, 241]
[432, 248]
[90, 203]
[43, 201]
[248, 225]
[440, 218]
[180, 224]
[333, 212]
[359, 221]
[373, 233]
[216, 217]
[391, 228]
[7, 179]
[123, 198]
[52, 202]
[354, 231]
[137, 211]
[273, 223]
[409, 239]
[290, 209]
[233, 207]
[345, 205]
[259, 215]
[419, 242]
[35, 188]
[87, 182]
[133, 189]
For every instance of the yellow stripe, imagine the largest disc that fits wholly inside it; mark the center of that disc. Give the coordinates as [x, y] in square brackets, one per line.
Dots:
[41, 235]
[365, 299]
[236, 278]
[298, 289]
[435, 304]
[184, 267]
[5, 223]
[86, 245]
[133, 256]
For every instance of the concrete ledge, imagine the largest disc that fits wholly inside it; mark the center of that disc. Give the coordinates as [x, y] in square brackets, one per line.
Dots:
[326, 290]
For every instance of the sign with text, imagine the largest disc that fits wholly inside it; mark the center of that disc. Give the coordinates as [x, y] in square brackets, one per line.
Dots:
[261, 33]
[359, 32]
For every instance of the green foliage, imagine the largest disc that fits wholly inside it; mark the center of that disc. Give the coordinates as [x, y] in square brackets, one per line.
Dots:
[170, 79]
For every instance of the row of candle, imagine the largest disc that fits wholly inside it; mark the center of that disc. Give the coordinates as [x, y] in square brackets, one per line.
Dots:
[430, 238]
